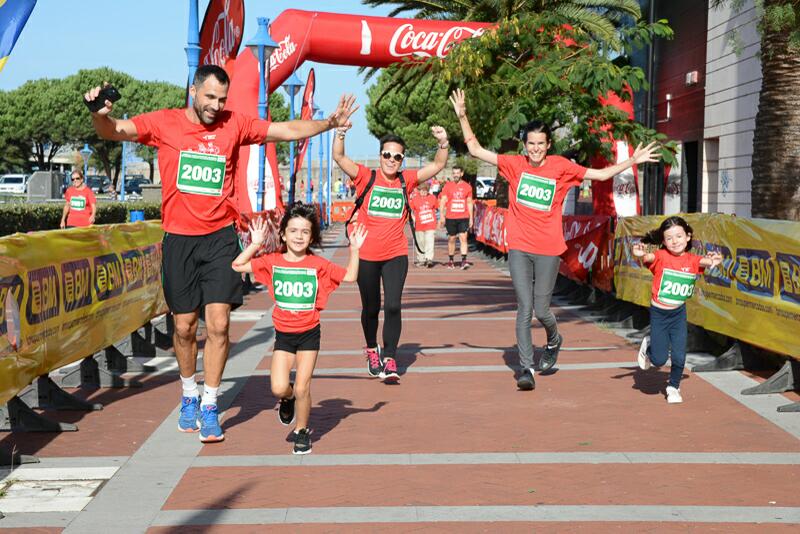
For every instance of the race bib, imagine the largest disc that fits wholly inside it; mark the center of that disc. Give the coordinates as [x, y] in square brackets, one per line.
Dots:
[295, 288]
[201, 174]
[676, 287]
[458, 205]
[77, 203]
[536, 192]
[426, 216]
[386, 202]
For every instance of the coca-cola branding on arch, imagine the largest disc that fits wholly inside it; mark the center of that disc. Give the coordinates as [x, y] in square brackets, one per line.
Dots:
[407, 41]
[286, 47]
[221, 32]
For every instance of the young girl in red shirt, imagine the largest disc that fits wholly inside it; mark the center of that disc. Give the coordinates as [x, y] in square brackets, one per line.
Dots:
[299, 282]
[674, 273]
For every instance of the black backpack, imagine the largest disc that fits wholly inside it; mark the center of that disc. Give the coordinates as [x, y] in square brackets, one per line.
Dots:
[363, 195]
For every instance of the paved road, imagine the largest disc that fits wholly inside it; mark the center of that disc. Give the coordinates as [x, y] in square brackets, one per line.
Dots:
[453, 447]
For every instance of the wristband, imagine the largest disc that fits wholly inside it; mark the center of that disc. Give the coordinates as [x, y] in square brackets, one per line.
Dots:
[468, 139]
[444, 145]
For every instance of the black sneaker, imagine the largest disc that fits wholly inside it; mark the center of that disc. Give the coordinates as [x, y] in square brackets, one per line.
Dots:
[286, 411]
[526, 382]
[374, 361]
[389, 371]
[550, 355]
[302, 442]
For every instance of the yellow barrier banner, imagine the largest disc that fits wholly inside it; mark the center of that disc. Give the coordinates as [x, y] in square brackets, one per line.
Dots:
[65, 295]
[753, 296]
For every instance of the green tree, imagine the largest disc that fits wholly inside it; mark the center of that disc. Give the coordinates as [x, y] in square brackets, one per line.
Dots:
[530, 67]
[410, 114]
[33, 124]
[279, 112]
[775, 189]
[599, 18]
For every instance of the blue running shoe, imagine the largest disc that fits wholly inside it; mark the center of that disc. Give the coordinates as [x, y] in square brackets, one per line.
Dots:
[188, 422]
[210, 431]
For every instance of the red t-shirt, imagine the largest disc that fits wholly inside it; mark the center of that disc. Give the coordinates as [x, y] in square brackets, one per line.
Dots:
[197, 165]
[424, 212]
[535, 198]
[80, 205]
[674, 277]
[300, 289]
[384, 215]
[457, 195]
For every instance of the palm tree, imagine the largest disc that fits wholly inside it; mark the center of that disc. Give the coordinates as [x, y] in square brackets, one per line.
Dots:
[775, 189]
[599, 18]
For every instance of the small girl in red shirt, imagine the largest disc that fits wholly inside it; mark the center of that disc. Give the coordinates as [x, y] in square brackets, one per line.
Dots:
[674, 273]
[299, 282]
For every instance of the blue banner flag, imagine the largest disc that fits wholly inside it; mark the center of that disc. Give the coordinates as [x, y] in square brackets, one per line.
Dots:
[13, 16]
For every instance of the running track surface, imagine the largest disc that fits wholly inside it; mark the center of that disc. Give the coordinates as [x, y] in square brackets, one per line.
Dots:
[453, 447]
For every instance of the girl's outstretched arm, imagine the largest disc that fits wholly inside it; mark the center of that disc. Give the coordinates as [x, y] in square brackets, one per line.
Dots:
[640, 251]
[258, 233]
[358, 233]
[711, 260]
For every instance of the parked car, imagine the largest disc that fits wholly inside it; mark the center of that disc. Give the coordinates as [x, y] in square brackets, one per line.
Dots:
[14, 183]
[133, 184]
[98, 183]
[484, 187]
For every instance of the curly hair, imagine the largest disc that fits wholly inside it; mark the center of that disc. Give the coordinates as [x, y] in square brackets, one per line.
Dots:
[307, 212]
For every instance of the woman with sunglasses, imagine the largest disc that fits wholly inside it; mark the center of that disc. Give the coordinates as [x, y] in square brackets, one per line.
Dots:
[384, 255]
[80, 205]
[538, 183]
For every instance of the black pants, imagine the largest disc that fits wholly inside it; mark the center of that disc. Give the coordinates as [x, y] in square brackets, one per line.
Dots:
[393, 272]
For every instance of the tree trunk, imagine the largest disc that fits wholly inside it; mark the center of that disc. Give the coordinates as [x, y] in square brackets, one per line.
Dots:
[775, 189]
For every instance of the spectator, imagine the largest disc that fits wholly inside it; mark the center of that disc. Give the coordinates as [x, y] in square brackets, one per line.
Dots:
[81, 205]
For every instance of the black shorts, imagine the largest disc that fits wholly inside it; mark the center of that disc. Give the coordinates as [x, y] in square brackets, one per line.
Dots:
[196, 270]
[456, 226]
[296, 341]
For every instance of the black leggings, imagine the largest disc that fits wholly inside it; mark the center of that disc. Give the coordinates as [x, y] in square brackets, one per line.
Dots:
[394, 273]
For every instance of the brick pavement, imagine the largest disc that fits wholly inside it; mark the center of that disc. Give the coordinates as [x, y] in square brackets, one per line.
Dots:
[453, 448]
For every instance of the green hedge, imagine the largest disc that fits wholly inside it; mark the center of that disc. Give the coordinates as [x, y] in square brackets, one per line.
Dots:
[19, 217]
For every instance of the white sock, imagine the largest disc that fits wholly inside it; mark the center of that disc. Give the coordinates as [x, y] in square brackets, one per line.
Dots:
[209, 395]
[189, 386]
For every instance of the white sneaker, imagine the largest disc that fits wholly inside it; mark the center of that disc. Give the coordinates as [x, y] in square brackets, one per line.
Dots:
[674, 395]
[643, 359]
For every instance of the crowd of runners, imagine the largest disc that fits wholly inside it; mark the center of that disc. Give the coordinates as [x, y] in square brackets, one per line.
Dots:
[203, 261]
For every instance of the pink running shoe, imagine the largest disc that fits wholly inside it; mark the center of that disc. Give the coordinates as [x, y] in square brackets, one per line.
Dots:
[389, 372]
[374, 363]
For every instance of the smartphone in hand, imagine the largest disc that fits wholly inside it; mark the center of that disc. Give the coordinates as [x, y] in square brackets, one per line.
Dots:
[109, 92]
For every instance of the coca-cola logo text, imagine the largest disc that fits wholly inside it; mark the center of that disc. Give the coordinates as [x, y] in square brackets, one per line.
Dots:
[285, 49]
[225, 40]
[407, 42]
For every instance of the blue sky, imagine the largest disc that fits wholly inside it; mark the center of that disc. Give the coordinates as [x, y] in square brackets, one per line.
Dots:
[146, 39]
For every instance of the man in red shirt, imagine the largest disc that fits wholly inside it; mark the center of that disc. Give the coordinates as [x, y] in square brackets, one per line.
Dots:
[81, 204]
[198, 147]
[455, 213]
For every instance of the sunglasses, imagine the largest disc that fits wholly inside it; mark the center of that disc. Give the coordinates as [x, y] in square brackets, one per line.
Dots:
[397, 156]
[78, 179]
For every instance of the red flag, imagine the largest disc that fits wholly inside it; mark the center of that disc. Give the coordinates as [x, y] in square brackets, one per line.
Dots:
[306, 113]
[221, 33]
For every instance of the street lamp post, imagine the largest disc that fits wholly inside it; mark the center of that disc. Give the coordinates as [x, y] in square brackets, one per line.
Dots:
[292, 86]
[86, 153]
[192, 43]
[328, 173]
[320, 193]
[309, 181]
[262, 47]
